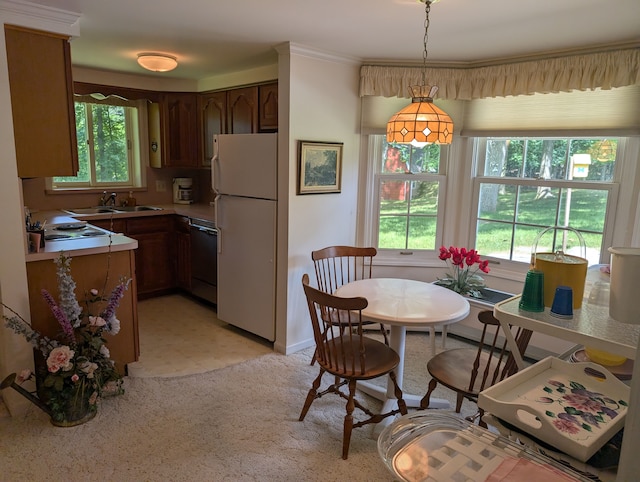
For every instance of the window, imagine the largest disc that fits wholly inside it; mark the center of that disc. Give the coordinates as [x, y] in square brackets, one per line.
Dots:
[108, 136]
[409, 188]
[524, 185]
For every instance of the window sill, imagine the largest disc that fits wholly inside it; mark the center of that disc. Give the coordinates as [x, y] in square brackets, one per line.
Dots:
[92, 190]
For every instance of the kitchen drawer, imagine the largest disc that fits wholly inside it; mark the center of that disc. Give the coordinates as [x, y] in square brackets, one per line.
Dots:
[114, 225]
[149, 224]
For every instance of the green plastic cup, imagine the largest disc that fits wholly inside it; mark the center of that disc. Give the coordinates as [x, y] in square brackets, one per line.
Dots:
[532, 298]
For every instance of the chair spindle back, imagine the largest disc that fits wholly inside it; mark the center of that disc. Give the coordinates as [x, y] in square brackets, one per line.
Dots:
[337, 330]
[339, 265]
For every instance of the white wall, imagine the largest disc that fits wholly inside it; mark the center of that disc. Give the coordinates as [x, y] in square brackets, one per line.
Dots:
[15, 353]
[323, 105]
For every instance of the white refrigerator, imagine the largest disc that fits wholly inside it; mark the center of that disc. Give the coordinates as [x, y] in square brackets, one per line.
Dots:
[245, 180]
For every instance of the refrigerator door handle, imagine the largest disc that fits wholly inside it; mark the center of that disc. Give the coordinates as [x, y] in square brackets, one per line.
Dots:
[214, 164]
[215, 218]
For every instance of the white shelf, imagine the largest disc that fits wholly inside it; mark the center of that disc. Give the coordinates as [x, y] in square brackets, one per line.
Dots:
[589, 326]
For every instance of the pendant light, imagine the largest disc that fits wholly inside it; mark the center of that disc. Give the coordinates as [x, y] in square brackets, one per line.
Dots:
[421, 122]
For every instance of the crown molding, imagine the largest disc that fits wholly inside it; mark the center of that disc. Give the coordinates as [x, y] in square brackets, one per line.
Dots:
[41, 17]
[293, 48]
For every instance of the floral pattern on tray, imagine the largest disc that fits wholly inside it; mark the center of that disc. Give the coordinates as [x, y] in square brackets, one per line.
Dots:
[573, 409]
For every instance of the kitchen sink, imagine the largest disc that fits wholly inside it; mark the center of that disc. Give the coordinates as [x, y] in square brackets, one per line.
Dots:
[128, 209]
[109, 209]
[96, 210]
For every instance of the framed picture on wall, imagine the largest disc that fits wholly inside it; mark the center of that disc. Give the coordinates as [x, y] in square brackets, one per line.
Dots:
[319, 167]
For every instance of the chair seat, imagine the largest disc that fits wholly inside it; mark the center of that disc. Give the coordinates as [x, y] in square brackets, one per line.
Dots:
[380, 360]
[335, 319]
[453, 368]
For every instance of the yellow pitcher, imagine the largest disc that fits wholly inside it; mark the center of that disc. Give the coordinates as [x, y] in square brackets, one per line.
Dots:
[561, 269]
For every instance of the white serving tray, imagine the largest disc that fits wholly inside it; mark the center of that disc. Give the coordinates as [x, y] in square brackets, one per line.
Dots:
[428, 446]
[575, 407]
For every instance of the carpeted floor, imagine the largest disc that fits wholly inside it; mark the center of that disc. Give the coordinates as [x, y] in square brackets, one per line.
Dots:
[237, 423]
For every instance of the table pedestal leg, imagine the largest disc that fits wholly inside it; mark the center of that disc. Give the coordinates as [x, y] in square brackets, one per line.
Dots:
[397, 342]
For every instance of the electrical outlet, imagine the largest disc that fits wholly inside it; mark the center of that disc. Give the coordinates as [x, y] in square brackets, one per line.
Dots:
[161, 186]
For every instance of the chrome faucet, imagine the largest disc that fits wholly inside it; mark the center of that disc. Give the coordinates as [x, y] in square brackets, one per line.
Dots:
[108, 200]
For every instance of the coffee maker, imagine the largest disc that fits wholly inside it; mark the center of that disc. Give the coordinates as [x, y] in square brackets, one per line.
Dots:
[182, 190]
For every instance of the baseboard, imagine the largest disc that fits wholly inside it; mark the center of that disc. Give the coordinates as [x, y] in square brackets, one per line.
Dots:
[289, 349]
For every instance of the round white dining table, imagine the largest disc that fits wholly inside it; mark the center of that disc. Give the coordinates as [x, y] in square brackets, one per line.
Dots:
[403, 304]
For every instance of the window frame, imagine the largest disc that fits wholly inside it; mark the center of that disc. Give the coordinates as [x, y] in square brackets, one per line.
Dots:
[412, 257]
[612, 187]
[137, 132]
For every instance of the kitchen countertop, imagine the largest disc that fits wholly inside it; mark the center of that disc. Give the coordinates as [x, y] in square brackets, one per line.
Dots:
[102, 244]
[196, 211]
[83, 247]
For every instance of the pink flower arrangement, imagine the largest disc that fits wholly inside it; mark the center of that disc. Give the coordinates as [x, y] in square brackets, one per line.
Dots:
[60, 358]
[78, 362]
[463, 277]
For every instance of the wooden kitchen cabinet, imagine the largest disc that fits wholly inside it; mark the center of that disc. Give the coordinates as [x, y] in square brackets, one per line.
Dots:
[242, 110]
[39, 66]
[113, 225]
[268, 107]
[190, 120]
[180, 129]
[89, 272]
[154, 257]
[212, 109]
[183, 253]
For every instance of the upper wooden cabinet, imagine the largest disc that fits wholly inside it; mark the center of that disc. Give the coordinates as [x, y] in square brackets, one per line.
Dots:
[44, 126]
[242, 110]
[268, 107]
[245, 110]
[190, 120]
[180, 129]
[212, 108]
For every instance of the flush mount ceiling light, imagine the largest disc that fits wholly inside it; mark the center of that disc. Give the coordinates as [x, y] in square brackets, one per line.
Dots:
[421, 122]
[157, 62]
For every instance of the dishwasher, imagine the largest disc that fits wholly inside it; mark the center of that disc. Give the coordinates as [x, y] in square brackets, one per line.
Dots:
[204, 260]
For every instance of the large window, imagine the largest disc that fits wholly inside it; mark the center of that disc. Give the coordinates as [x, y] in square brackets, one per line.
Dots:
[108, 146]
[524, 185]
[409, 188]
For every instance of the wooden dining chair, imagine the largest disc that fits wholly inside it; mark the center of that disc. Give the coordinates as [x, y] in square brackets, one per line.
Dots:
[338, 265]
[343, 351]
[468, 371]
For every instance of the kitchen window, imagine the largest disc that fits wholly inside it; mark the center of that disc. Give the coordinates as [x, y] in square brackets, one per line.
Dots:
[524, 185]
[407, 199]
[108, 132]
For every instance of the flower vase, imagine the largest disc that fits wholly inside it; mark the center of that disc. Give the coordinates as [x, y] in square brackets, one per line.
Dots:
[76, 415]
[77, 411]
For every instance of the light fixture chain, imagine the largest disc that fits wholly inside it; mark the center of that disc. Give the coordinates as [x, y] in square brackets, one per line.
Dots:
[427, 9]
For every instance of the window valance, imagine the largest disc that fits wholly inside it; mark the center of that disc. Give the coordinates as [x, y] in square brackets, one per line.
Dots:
[603, 70]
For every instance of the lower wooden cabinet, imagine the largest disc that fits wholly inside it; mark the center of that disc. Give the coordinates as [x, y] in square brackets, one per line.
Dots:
[89, 272]
[153, 272]
[154, 258]
[183, 253]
